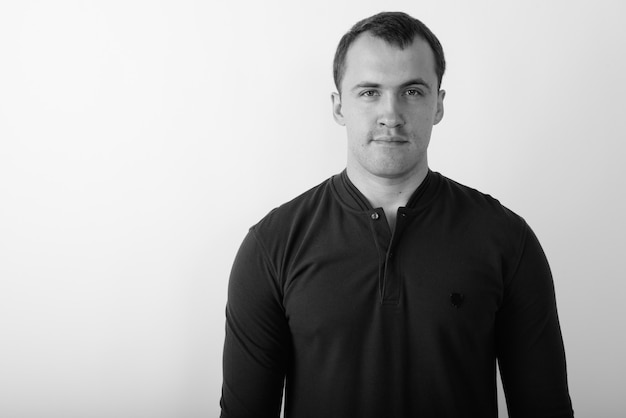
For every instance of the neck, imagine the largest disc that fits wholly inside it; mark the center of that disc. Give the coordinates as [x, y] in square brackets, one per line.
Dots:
[388, 193]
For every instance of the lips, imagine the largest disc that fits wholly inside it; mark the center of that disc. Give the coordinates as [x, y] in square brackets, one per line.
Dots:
[390, 139]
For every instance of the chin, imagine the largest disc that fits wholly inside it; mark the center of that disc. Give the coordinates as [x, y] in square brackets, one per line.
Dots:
[396, 171]
[391, 173]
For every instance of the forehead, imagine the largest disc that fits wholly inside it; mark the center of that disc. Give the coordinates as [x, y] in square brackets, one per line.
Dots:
[374, 60]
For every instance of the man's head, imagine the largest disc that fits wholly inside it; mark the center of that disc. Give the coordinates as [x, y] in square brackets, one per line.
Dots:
[395, 28]
[389, 96]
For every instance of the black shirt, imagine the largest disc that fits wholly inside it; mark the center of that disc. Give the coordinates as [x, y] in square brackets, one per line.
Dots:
[363, 322]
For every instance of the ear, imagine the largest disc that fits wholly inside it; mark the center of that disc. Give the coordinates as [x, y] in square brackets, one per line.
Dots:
[336, 99]
[439, 112]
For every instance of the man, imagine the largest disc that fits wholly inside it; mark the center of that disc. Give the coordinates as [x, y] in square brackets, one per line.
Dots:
[390, 290]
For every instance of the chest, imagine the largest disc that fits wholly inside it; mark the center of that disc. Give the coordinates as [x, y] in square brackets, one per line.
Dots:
[425, 278]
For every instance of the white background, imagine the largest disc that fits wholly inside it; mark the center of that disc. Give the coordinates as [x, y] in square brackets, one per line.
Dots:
[140, 139]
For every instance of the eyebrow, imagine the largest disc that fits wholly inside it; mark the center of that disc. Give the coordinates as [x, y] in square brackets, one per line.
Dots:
[413, 82]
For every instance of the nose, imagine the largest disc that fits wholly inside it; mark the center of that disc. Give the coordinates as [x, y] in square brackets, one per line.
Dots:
[390, 115]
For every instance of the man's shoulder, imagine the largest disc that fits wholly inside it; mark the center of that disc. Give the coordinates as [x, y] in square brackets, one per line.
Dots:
[299, 208]
[475, 204]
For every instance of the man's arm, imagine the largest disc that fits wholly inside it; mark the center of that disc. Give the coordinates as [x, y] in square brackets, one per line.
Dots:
[256, 349]
[529, 343]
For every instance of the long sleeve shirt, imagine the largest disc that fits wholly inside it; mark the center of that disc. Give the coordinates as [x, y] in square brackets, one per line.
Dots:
[356, 320]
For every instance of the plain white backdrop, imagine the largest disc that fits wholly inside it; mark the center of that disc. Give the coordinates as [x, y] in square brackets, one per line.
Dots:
[139, 140]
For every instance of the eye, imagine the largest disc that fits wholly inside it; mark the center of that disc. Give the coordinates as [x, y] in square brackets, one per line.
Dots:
[369, 93]
[413, 92]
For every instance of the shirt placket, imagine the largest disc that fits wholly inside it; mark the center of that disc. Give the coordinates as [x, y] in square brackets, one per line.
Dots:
[389, 275]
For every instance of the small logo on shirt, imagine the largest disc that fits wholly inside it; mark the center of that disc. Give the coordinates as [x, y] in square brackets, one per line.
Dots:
[456, 299]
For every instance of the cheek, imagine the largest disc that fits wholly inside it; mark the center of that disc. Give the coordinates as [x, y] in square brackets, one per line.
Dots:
[356, 138]
[354, 126]
[359, 120]
[356, 110]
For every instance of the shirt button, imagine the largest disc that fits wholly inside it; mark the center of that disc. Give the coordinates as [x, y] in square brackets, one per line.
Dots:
[374, 215]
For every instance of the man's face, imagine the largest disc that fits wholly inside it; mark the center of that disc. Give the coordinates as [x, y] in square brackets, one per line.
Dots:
[389, 103]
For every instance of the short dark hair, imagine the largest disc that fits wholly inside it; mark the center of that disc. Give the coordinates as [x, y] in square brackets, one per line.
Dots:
[396, 28]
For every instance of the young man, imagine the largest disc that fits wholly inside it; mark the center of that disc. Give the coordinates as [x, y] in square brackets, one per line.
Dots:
[390, 290]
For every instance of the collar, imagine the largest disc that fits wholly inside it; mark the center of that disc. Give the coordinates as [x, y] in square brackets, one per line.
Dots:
[350, 196]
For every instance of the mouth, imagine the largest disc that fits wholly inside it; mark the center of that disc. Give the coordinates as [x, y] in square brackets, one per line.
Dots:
[389, 140]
